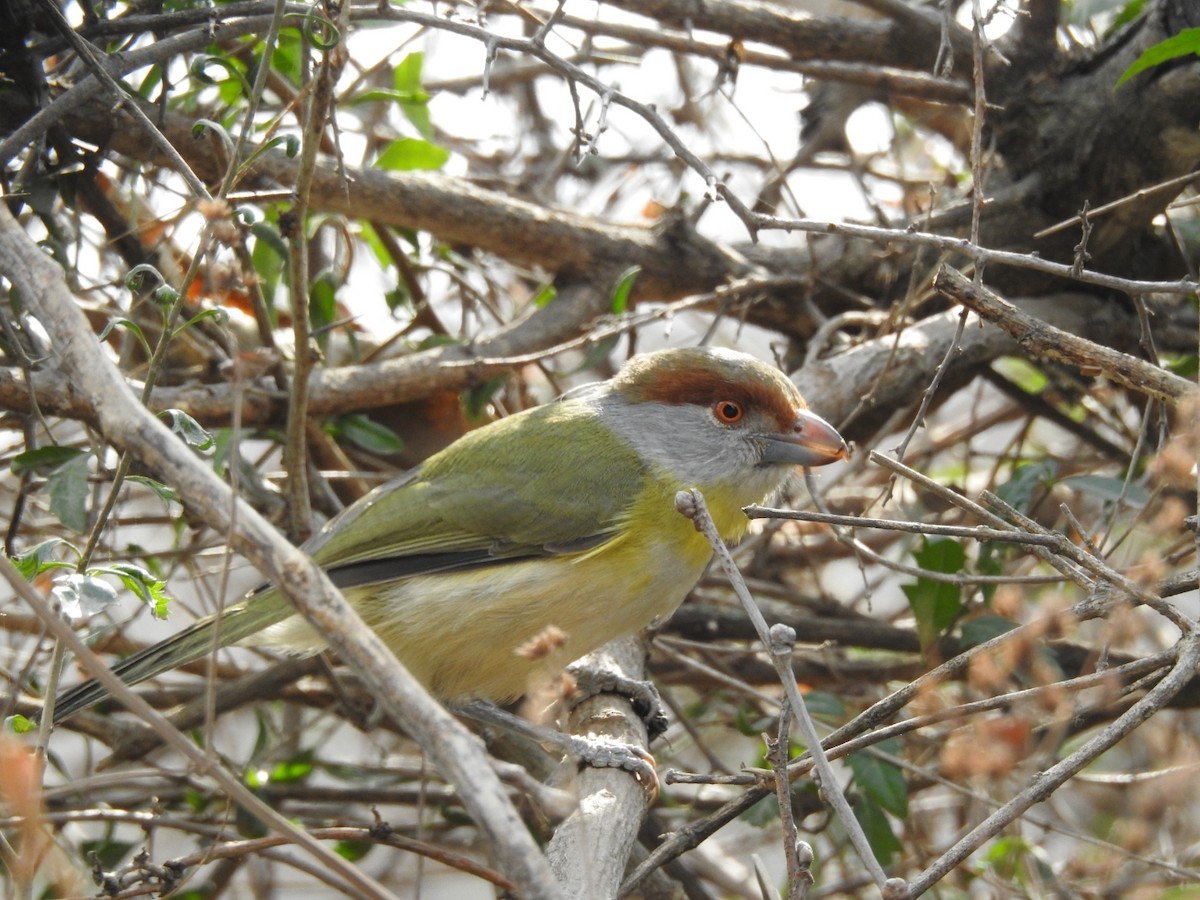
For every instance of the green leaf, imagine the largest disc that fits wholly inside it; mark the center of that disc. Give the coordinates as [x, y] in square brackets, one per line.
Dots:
[1006, 856]
[153, 79]
[44, 458]
[197, 801]
[221, 315]
[18, 724]
[268, 256]
[1186, 43]
[982, 629]
[409, 154]
[295, 769]
[476, 399]
[136, 278]
[234, 82]
[322, 307]
[321, 33]
[545, 296]
[1027, 480]
[936, 604]
[398, 298]
[824, 705]
[291, 147]
[353, 850]
[150, 590]
[369, 434]
[877, 828]
[164, 492]
[413, 100]
[286, 57]
[1109, 489]
[880, 780]
[620, 295]
[69, 493]
[133, 327]
[1185, 365]
[407, 93]
[752, 722]
[109, 852]
[39, 558]
[189, 429]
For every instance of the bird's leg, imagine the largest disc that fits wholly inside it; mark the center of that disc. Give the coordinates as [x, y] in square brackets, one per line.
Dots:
[592, 751]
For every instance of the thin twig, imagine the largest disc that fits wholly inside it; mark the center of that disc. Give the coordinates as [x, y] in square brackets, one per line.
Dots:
[778, 639]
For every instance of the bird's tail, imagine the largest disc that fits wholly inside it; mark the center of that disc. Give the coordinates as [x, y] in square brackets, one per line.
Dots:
[236, 623]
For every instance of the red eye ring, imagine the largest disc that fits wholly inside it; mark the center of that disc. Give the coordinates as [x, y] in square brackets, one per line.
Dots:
[728, 411]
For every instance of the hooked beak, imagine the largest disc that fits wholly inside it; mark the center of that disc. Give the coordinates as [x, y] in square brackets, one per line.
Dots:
[812, 442]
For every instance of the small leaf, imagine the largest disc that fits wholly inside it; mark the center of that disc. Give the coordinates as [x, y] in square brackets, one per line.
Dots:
[413, 100]
[322, 306]
[982, 629]
[164, 492]
[369, 434]
[1186, 43]
[40, 558]
[824, 705]
[285, 59]
[188, 428]
[882, 781]
[69, 493]
[409, 154]
[1109, 489]
[18, 724]
[321, 33]
[620, 295]
[877, 828]
[291, 146]
[545, 296]
[221, 315]
[80, 596]
[150, 590]
[44, 458]
[936, 604]
[353, 850]
[133, 327]
[137, 277]
[234, 74]
[1027, 479]
[295, 769]
[476, 399]
[108, 852]
[1006, 856]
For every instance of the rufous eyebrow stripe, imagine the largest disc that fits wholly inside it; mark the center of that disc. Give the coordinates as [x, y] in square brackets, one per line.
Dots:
[735, 376]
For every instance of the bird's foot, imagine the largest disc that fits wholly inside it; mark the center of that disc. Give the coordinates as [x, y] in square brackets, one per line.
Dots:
[642, 695]
[598, 752]
[605, 753]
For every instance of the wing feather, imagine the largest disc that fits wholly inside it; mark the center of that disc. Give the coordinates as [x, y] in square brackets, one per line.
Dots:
[549, 480]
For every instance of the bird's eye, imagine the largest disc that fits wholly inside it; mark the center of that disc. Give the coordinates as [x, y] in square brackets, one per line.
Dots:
[728, 411]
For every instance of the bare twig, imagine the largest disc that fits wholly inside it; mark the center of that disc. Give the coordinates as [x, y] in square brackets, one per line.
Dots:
[778, 641]
[1042, 340]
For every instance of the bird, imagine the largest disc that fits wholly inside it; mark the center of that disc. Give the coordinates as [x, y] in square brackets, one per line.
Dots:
[561, 517]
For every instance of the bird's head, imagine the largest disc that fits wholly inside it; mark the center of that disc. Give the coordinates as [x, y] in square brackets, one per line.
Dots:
[718, 420]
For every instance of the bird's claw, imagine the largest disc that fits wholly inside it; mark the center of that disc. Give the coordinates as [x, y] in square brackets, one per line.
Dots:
[602, 753]
[642, 695]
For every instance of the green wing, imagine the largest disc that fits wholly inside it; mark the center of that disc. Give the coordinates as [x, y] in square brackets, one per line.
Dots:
[548, 480]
